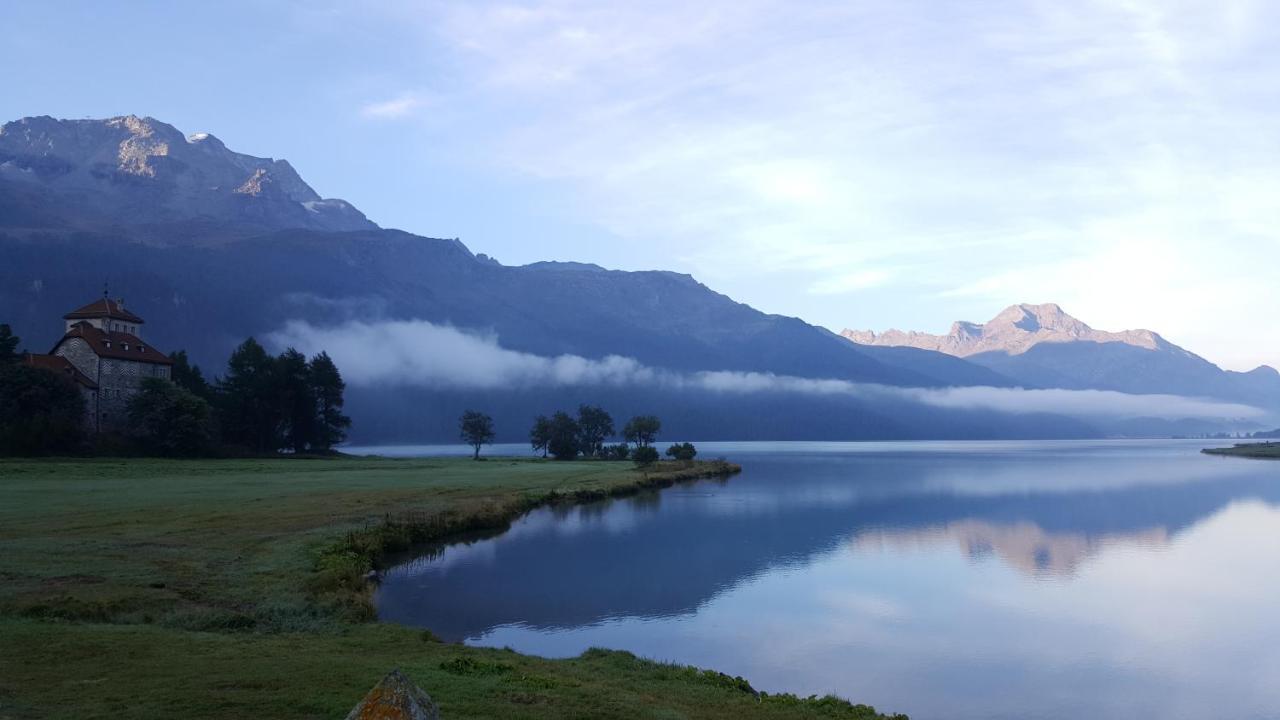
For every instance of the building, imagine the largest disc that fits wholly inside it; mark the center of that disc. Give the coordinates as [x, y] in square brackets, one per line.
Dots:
[103, 351]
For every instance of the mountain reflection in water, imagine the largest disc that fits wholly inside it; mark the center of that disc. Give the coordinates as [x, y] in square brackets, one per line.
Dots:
[880, 561]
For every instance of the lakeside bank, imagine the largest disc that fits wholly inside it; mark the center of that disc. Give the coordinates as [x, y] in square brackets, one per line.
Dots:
[1262, 450]
[226, 588]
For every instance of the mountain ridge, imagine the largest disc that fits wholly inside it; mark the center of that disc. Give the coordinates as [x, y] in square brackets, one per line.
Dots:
[213, 246]
[1043, 346]
[1014, 330]
[133, 170]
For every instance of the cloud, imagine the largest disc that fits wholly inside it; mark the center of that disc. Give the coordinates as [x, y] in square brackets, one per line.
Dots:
[423, 354]
[402, 105]
[970, 153]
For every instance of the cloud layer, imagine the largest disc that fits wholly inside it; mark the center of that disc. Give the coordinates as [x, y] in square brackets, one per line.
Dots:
[422, 354]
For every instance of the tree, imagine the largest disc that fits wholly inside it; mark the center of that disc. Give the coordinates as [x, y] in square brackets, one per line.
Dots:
[328, 387]
[644, 455]
[594, 425]
[540, 434]
[642, 430]
[563, 440]
[41, 412]
[171, 420]
[248, 399]
[8, 344]
[476, 429]
[682, 451]
[188, 376]
[295, 400]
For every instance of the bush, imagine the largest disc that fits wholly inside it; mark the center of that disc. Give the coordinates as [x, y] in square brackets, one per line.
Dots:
[645, 455]
[170, 420]
[682, 451]
[41, 412]
[621, 451]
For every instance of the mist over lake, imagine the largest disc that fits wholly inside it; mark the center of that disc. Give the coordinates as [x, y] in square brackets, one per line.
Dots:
[1055, 579]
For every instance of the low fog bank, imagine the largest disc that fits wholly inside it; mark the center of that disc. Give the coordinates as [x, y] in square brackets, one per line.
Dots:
[421, 373]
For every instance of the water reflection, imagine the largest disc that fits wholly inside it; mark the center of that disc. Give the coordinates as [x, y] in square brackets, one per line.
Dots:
[913, 578]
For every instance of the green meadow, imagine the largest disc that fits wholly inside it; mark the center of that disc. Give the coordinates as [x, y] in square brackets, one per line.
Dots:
[235, 588]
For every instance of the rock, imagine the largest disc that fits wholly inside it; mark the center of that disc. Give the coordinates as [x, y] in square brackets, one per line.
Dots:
[395, 698]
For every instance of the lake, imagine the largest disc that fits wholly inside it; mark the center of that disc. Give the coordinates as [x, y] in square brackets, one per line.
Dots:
[1108, 579]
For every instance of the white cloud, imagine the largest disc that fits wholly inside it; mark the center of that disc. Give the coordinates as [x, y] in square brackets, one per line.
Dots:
[419, 353]
[400, 106]
[1114, 157]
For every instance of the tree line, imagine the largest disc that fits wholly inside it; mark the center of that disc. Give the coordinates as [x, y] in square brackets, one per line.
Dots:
[262, 404]
[566, 437]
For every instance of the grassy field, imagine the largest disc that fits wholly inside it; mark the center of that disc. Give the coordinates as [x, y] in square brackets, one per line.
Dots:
[1250, 450]
[234, 588]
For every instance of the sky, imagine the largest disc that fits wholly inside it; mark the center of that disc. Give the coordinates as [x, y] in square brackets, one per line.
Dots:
[864, 164]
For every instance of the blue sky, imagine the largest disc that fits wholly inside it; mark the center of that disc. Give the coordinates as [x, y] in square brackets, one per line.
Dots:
[857, 164]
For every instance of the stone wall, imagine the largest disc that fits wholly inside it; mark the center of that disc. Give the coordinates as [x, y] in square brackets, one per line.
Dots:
[118, 381]
[77, 351]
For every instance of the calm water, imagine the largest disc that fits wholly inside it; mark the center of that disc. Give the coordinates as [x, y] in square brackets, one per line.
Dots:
[944, 580]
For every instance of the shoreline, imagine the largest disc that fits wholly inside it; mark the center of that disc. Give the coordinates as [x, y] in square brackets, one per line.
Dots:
[233, 588]
[362, 554]
[1255, 450]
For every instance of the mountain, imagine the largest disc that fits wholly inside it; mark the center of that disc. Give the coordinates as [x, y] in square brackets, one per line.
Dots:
[211, 246]
[1043, 346]
[85, 174]
[1015, 330]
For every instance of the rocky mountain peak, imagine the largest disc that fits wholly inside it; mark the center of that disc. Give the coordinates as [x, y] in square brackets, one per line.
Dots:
[1013, 331]
[136, 170]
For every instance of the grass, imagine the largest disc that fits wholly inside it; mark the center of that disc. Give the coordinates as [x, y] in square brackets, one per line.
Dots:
[1250, 450]
[234, 588]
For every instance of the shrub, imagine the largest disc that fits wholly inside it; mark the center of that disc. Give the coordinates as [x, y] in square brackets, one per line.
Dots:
[621, 451]
[645, 455]
[170, 420]
[682, 451]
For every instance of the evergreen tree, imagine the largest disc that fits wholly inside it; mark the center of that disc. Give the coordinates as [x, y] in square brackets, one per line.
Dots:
[295, 400]
[248, 400]
[188, 376]
[327, 385]
[8, 344]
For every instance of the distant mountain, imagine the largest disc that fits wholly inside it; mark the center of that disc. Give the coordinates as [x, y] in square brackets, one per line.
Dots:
[1015, 330]
[1043, 346]
[86, 174]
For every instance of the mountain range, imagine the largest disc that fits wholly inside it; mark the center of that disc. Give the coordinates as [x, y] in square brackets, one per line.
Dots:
[211, 246]
[1043, 346]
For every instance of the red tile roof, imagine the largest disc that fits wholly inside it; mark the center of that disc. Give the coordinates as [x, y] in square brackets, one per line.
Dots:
[106, 307]
[58, 364]
[114, 344]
